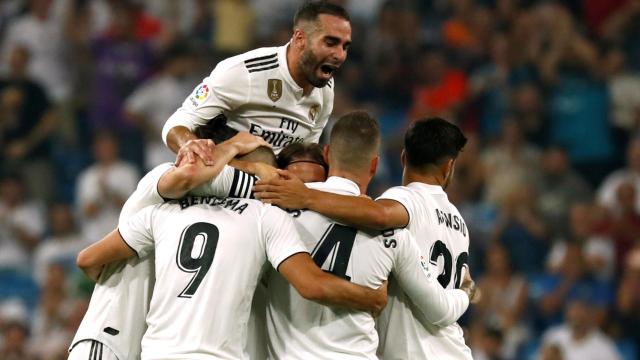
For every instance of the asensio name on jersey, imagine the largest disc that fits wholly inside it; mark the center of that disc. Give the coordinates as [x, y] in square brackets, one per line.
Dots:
[300, 329]
[256, 92]
[442, 235]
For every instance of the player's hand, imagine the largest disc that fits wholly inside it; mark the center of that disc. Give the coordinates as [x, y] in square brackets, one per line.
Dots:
[287, 192]
[380, 299]
[246, 143]
[202, 148]
[469, 286]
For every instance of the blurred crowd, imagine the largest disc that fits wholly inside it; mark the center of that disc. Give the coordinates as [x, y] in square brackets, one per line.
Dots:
[548, 93]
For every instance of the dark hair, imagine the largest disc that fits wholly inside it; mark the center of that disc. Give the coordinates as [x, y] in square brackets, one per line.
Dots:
[310, 10]
[216, 129]
[354, 140]
[301, 151]
[432, 141]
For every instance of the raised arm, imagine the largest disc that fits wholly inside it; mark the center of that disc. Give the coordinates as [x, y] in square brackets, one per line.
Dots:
[291, 193]
[176, 182]
[316, 285]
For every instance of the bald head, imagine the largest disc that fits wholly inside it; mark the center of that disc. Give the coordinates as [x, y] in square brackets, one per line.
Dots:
[354, 142]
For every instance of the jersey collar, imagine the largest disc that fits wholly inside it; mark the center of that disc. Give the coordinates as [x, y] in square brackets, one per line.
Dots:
[432, 189]
[338, 185]
[284, 71]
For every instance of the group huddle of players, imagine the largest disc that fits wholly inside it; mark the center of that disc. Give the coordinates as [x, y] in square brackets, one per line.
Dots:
[203, 266]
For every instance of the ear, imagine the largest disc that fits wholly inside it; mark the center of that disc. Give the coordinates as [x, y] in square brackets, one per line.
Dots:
[447, 168]
[325, 153]
[374, 166]
[298, 38]
[403, 158]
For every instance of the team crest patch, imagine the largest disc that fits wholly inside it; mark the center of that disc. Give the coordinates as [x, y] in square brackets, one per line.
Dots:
[274, 89]
[313, 111]
[201, 93]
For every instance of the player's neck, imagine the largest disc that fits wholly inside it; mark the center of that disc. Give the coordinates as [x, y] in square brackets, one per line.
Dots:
[361, 180]
[430, 179]
[293, 58]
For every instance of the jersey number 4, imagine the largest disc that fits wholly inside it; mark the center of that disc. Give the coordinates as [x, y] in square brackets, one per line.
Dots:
[336, 242]
[439, 249]
[195, 253]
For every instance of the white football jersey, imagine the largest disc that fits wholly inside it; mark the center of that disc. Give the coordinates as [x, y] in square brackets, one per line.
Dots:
[209, 255]
[120, 299]
[300, 329]
[256, 92]
[442, 235]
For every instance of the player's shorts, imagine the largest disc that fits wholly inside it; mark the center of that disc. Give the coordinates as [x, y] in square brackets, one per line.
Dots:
[91, 350]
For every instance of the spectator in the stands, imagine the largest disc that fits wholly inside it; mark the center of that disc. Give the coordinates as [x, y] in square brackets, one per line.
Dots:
[579, 337]
[28, 122]
[22, 223]
[61, 246]
[103, 188]
[631, 173]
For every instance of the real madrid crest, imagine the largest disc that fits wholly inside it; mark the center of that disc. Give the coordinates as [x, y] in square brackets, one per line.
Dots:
[313, 111]
[274, 89]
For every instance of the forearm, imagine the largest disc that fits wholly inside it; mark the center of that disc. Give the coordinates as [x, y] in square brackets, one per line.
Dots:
[439, 306]
[334, 291]
[179, 181]
[354, 211]
[92, 272]
[178, 136]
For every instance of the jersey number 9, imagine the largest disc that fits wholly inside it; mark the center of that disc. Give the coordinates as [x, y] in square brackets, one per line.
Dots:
[203, 239]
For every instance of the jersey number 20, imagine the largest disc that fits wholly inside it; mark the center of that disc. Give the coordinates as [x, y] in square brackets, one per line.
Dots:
[440, 249]
[202, 238]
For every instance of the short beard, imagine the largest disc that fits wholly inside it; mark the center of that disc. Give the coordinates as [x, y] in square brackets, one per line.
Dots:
[308, 63]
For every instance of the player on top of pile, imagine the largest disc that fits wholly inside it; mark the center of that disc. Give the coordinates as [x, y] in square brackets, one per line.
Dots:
[283, 94]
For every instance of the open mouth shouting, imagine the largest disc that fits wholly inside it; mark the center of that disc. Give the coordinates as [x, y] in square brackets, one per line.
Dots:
[327, 70]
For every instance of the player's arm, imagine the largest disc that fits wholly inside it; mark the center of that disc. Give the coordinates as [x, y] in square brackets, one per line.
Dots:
[225, 89]
[439, 306]
[111, 248]
[316, 285]
[291, 193]
[132, 237]
[178, 181]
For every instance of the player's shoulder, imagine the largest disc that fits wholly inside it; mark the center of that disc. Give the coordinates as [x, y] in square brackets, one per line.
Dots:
[154, 174]
[251, 61]
[397, 191]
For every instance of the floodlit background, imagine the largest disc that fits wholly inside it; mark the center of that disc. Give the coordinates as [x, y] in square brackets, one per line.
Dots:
[548, 93]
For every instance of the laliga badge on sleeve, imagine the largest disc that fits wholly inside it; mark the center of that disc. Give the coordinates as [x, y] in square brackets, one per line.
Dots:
[200, 94]
[425, 268]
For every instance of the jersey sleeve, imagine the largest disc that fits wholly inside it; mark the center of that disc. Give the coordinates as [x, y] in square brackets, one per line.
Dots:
[402, 195]
[225, 89]
[323, 117]
[231, 182]
[146, 193]
[439, 306]
[280, 236]
[136, 231]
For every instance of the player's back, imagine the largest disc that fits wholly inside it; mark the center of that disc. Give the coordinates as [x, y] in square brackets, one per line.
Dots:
[301, 329]
[442, 235]
[209, 254]
[120, 299]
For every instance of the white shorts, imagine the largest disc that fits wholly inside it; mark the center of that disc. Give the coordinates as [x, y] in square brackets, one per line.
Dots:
[91, 350]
